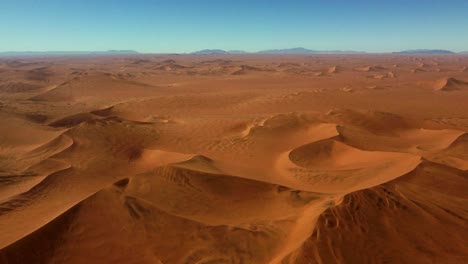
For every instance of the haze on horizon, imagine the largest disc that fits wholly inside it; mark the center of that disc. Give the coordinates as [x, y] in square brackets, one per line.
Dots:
[185, 26]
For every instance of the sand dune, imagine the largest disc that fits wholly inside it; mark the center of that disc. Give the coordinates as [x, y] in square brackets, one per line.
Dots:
[398, 215]
[38, 74]
[334, 167]
[333, 69]
[83, 88]
[448, 84]
[375, 87]
[71, 121]
[318, 73]
[369, 68]
[233, 159]
[170, 67]
[243, 69]
[454, 155]
[18, 87]
[417, 70]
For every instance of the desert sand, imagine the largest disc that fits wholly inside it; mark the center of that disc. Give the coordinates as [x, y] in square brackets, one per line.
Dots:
[234, 159]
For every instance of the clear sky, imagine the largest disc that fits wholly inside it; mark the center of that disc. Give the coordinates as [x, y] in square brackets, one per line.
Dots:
[163, 26]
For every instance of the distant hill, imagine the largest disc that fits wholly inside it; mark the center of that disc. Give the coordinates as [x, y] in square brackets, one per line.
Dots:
[341, 52]
[116, 52]
[288, 51]
[301, 50]
[218, 51]
[276, 51]
[46, 53]
[298, 50]
[236, 52]
[425, 51]
[210, 51]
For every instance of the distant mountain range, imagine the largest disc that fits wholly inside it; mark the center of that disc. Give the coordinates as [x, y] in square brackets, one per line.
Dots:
[47, 53]
[426, 51]
[276, 51]
[298, 50]
[307, 51]
[301, 50]
[218, 51]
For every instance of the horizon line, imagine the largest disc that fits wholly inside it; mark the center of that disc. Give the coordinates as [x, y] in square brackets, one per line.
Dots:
[229, 51]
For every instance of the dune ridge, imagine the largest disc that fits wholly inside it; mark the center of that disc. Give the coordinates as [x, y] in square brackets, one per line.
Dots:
[450, 84]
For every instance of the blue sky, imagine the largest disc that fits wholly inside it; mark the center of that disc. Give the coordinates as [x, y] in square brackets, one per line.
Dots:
[183, 26]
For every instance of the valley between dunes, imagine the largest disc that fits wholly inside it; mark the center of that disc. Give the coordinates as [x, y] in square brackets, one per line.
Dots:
[234, 159]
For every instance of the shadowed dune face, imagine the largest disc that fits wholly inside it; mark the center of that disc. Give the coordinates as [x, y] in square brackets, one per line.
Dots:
[234, 159]
[406, 215]
[447, 84]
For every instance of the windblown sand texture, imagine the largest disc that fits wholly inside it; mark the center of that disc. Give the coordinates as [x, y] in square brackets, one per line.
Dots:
[234, 159]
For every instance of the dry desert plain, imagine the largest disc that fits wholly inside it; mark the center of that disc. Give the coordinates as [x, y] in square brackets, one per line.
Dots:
[234, 159]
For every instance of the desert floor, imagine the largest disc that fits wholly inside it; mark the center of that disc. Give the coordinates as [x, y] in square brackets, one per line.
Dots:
[234, 159]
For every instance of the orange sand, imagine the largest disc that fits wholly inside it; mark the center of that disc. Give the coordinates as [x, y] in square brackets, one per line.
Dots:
[234, 159]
